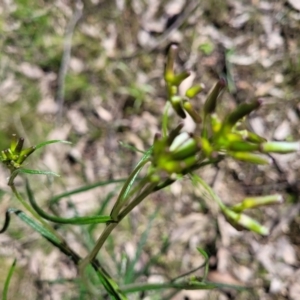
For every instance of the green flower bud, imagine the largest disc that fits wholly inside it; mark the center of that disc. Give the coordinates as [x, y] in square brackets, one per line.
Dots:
[159, 144]
[192, 112]
[252, 137]
[174, 133]
[179, 141]
[211, 101]
[206, 147]
[243, 146]
[215, 123]
[4, 156]
[8, 154]
[188, 148]
[254, 202]
[194, 90]
[280, 147]
[25, 153]
[250, 157]
[14, 142]
[177, 79]
[242, 221]
[19, 146]
[169, 71]
[176, 102]
[176, 166]
[241, 111]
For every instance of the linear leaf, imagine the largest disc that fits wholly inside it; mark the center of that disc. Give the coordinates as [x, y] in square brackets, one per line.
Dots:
[184, 285]
[7, 281]
[37, 172]
[82, 189]
[51, 142]
[75, 220]
[35, 225]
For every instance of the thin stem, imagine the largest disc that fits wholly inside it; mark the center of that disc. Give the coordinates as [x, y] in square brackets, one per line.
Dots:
[214, 196]
[137, 200]
[123, 196]
[109, 228]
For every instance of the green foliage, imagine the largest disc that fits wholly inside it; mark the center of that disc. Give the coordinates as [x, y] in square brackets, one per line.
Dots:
[174, 154]
[8, 279]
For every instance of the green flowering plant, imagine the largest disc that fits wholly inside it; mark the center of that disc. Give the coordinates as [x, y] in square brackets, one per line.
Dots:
[175, 153]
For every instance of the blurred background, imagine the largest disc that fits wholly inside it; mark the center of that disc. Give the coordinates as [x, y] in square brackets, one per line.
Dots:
[91, 72]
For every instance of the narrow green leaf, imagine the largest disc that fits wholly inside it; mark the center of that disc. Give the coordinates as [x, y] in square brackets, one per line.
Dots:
[130, 147]
[75, 220]
[111, 286]
[51, 142]
[38, 172]
[7, 281]
[85, 188]
[206, 265]
[6, 222]
[36, 226]
[186, 285]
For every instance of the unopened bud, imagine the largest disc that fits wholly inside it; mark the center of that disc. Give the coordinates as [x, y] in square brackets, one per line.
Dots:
[169, 71]
[188, 148]
[194, 90]
[215, 123]
[179, 141]
[243, 146]
[253, 137]
[211, 101]
[242, 221]
[176, 102]
[177, 79]
[254, 202]
[280, 147]
[192, 112]
[25, 153]
[206, 147]
[241, 111]
[250, 157]
[174, 133]
[19, 146]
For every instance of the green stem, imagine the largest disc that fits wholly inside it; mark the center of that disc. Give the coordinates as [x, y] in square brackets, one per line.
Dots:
[214, 196]
[139, 198]
[122, 199]
[110, 227]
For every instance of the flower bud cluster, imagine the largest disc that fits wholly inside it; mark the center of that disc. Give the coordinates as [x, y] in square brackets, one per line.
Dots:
[180, 151]
[14, 156]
